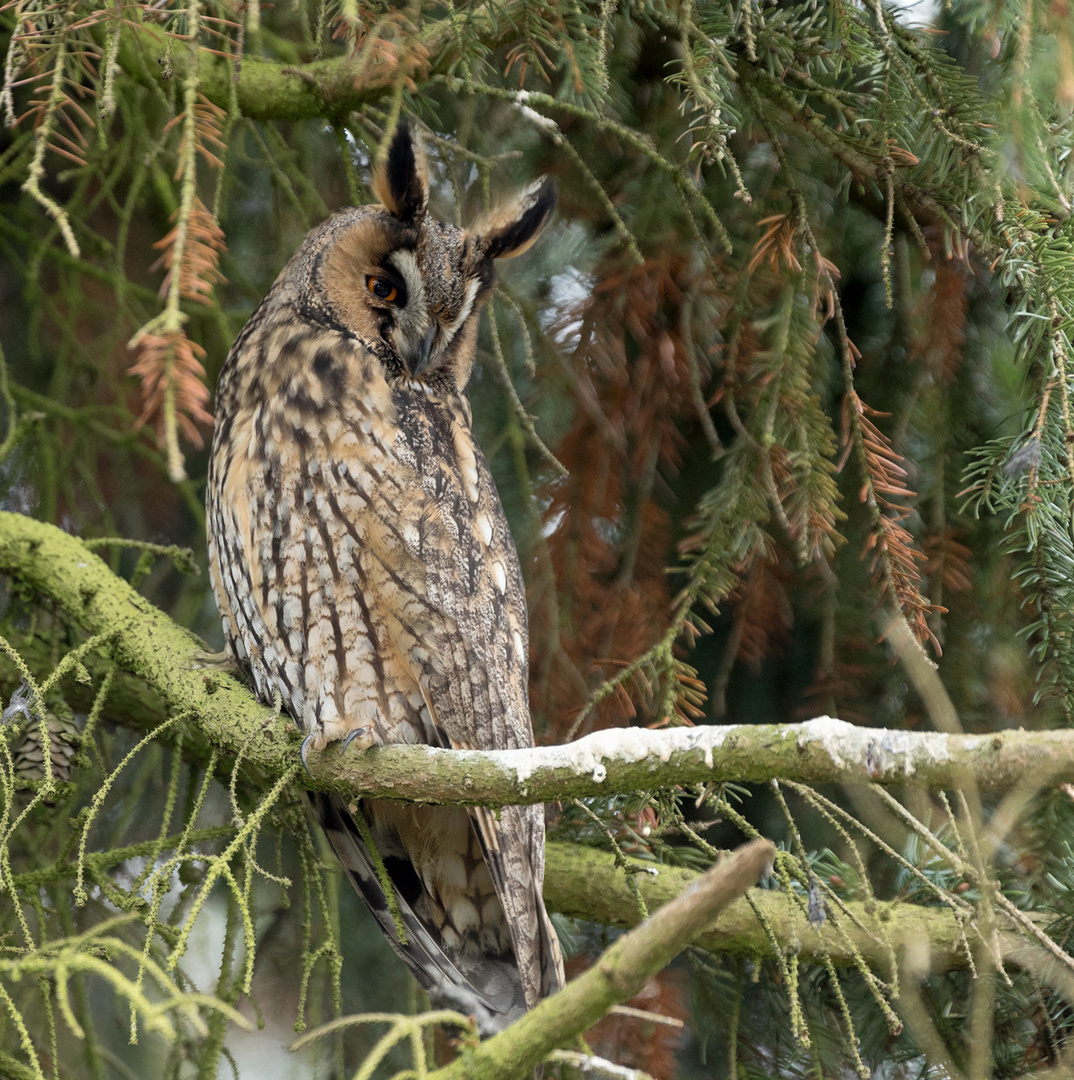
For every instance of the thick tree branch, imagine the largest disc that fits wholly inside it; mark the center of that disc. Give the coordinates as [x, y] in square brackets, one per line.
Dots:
[147, 644]
[587, 884]
[925, 205]
[270, 90]
[156, 658]
[276, 91]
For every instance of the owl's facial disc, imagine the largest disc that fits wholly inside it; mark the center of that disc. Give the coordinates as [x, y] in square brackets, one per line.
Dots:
[402, 281]
[426, 326]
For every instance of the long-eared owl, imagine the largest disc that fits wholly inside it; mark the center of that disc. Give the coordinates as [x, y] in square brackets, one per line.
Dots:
[365, 573]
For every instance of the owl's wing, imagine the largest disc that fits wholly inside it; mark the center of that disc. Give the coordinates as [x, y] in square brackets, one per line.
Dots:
[450, 981]
[477, 687]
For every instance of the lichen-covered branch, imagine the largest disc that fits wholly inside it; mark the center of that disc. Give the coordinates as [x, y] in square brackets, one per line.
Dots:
[275, 91]
[587, 884]
[156, 676]
[145, 643]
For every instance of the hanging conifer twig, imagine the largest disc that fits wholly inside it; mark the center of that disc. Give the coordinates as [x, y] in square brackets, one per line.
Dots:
[896, 560]
[169, 364]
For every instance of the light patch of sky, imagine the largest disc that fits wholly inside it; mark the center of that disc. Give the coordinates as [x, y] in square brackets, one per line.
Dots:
[917, 12]
[260, 1052]
[566, 292]
[359, 153]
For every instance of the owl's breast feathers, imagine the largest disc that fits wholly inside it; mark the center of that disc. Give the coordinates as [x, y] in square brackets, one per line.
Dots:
[373, 549]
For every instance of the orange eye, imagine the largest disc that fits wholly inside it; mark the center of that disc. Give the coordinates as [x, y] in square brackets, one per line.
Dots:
[382, 289]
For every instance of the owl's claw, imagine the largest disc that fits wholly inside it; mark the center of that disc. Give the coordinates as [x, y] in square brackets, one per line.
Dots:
[219, 661]
[357, 733]
[304, 753]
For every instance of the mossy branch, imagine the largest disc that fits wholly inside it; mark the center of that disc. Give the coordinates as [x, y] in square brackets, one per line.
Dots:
[146, 644]
[157, 677]
[269, 90]
[274, 91]
[588, 884]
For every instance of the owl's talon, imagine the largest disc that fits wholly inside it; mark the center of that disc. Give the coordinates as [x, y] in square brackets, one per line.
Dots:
[304, 753]
[220, 661]
[357, 733]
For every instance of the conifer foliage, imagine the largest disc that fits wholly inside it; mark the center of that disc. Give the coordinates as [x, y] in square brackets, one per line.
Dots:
[780, 410]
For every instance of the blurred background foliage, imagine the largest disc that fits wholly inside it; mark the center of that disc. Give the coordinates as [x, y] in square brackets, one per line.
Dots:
[790, 363]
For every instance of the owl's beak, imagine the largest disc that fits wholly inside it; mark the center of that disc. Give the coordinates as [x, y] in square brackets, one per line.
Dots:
[423, 353]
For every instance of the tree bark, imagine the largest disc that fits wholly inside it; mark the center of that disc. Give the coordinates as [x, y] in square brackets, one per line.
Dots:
[146, 644]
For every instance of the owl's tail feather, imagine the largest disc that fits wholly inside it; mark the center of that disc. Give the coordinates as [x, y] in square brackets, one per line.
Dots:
[448, 987]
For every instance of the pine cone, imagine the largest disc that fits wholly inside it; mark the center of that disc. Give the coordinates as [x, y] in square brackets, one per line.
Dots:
[65, 738]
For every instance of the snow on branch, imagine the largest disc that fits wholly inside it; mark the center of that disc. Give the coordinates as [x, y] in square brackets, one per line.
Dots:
[824, 750]
[153, 662]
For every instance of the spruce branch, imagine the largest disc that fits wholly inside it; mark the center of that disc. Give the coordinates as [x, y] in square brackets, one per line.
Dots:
[32, 184]
[589, 884]
[169, 363]
[273, 90]
[145, 645]
[921, 205]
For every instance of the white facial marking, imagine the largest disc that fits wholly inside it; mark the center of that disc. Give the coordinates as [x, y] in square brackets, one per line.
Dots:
[414, 317]
[406, 264]
[411, 317]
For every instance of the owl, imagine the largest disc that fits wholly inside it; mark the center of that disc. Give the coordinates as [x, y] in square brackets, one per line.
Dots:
[365, 573]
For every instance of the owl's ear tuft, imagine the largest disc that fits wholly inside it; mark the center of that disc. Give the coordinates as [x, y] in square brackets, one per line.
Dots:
[401, 180]
[511, 229]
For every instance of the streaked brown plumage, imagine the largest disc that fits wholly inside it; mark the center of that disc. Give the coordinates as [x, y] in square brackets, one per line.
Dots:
[364, 569]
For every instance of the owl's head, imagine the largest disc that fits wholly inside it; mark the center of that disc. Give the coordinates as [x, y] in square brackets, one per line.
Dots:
[409, 284]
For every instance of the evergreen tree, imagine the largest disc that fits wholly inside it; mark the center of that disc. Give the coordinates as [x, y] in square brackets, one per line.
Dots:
[779, 408]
